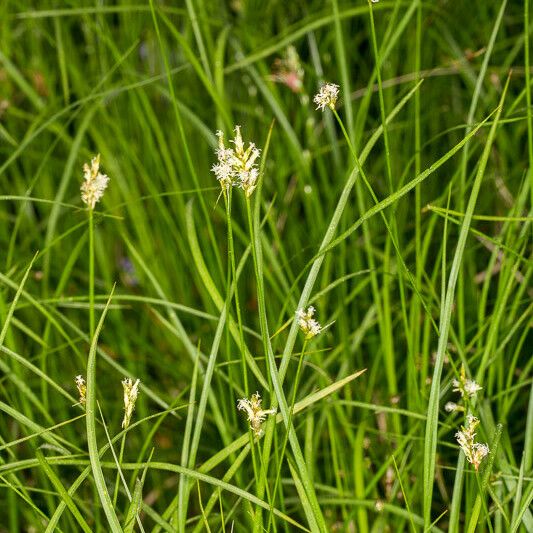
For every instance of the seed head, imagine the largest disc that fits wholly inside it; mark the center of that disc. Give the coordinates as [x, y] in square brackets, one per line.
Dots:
[82, 388]
[94, 184]
[236, 167]
[327, 96]
[256, 415]
[309, 326]
[131, 391]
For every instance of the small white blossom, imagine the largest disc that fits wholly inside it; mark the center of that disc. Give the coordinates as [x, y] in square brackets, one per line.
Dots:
[256, 415]
[236, 167]
[309, 326]
[82, 388]
[450, 407]
[131, 391]
[475, 452]
[94, 184]
[466, 387]
[327, 96]
[471, 387]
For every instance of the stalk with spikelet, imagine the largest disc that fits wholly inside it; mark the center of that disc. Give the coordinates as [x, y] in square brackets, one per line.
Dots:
[236, 167]
[92, 190]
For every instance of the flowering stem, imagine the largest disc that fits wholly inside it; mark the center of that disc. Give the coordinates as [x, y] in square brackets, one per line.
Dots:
[388, 352]
[233, 270]
[260, 288]
[262, 484]
[286, 438]
[91, 274]
[359, 166]
[231, 253]
[377, 57]
[276, 385]
[482, 485]
[474, 518]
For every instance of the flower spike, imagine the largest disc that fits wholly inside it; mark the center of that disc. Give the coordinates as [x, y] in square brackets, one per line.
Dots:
[236, 167]
[327, 96]
[94, 184]
[309, 326]
[256, 415]
[131, 391]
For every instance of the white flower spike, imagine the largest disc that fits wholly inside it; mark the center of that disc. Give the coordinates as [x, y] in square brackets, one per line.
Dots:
[131, 391]
[475, 452]
[256, 415]
[236, 167]
[327, 96]
[94, 184]
[309, 326]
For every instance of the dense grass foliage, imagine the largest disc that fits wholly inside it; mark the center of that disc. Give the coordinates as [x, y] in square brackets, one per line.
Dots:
[401, 213]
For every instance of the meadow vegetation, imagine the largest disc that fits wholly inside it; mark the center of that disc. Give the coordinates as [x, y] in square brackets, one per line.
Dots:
[294, 290]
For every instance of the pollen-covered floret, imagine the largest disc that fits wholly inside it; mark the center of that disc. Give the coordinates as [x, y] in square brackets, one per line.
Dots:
[94, 184]
[309, 326]
[327, 96]
[255, 414]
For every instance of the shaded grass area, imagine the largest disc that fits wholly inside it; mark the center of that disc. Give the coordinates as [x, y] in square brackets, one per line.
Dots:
[403, 216]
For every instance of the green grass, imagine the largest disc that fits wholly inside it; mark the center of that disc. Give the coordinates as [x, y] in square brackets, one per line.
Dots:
[403, 215]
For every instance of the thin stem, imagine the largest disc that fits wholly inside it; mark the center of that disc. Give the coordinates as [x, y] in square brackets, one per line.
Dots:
[391, 371]
[276, 389]
[480, 501]
[231, 253]
[286, 438]
[413, 395]
[407, 272]
[91, 273]
[528, 96]
[232, 276]
[262, 484]
[380, 92]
